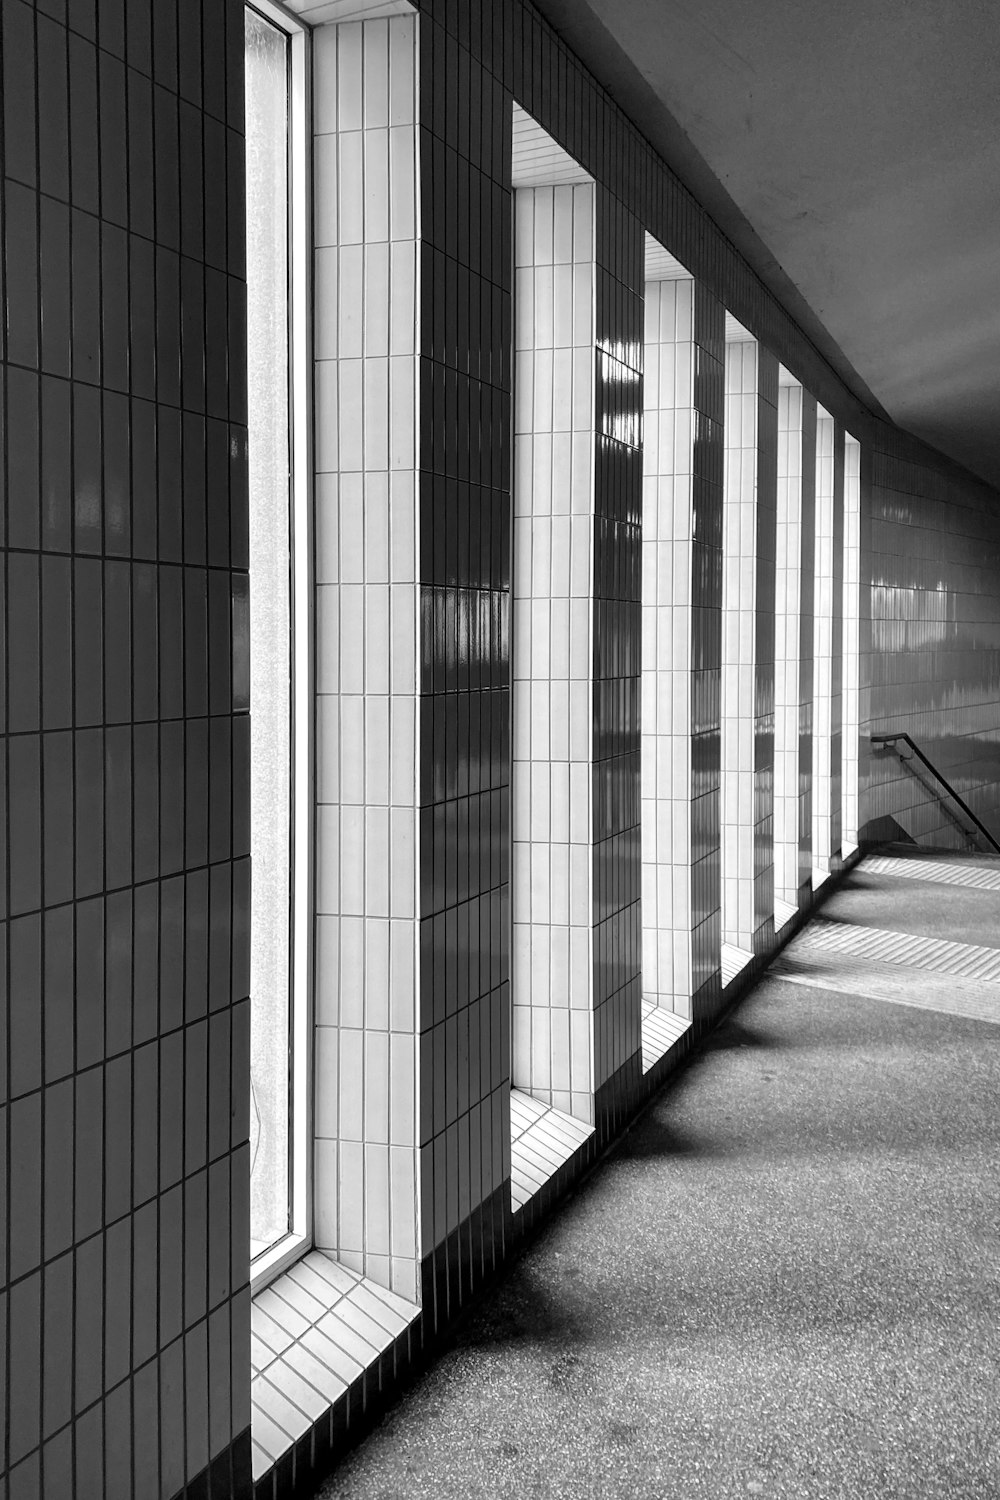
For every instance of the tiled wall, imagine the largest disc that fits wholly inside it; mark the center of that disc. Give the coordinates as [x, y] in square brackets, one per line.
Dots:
[706, 662]
[933, 668]
[682, 641]
[763, 706]
[124, 1306]
[616, 653]
[751, 435]
[739, 574]
[552, 589]
[851, 639]
[667, 516]
[463, 560]
[827, 763]
[793, 638]
[367, 1167]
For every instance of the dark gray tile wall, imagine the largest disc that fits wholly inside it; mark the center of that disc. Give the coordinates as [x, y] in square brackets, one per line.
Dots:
[706, 649]
[464, 544]
[124, 892]
[617, 628]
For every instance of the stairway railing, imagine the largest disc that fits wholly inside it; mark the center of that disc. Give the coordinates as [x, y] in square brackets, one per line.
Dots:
[893, 739]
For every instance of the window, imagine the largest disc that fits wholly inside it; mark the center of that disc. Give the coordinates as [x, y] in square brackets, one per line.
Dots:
[280, 696]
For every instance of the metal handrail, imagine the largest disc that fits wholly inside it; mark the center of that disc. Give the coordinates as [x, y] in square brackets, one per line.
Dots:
[891, 739]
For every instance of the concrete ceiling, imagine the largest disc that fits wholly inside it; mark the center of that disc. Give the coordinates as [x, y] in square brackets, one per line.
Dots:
[851, 150]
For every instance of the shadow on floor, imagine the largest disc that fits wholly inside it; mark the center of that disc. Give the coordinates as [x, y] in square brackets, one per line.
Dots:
[739, 1031]
[527, 1309]
[781, 1282]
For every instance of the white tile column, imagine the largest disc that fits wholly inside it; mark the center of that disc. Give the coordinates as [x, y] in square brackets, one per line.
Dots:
[367, 1167]
[793, 644]
[552, 594]
[748, 647]
[827, 631]
[667, 546]
[851, 653]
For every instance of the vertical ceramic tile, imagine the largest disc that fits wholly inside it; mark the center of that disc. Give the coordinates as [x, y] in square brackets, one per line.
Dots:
[576, 625]
[127, 494]
[748, 643]
[366, 850]
[122, 496]
[669, 651]
[793, 644]
[827, 644]
[851, 638]
[551, 630]
[927, 604]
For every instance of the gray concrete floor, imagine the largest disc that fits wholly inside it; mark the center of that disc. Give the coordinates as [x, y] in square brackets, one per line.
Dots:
[784, 1282]
[958, 913]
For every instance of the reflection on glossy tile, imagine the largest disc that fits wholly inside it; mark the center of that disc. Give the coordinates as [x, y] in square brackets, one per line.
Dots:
[668, 650]
[928, 645]
[828, 643]
[794, 593]
[748, 643]
[851, 639]
[552, 583]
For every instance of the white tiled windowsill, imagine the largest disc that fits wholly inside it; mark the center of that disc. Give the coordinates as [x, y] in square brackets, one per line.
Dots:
[734, 961]
[784, 911]
[661, 1030]
[542, 1139]
[313, 1332]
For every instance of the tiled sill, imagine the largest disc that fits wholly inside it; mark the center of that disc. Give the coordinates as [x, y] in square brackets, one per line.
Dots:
[542, 1140]
[734, 961]
[661, 1031]
[316, 1333]
[784, 911]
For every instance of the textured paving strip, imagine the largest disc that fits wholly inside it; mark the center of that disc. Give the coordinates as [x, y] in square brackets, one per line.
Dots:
[895, 966]
[880, 945]
[936, 870]
[890, 982]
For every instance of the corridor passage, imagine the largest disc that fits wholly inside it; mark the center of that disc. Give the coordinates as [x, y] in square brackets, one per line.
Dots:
[785, 1280]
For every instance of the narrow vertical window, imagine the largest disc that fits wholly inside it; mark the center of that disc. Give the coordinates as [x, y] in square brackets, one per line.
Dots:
[279, 653]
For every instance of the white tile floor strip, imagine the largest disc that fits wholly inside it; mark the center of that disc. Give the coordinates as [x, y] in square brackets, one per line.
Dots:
[940, 871]
[660, 1030]
[895, 966]
[888, 982]
[939, 955]
[542, 1139]
[312, 1332]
